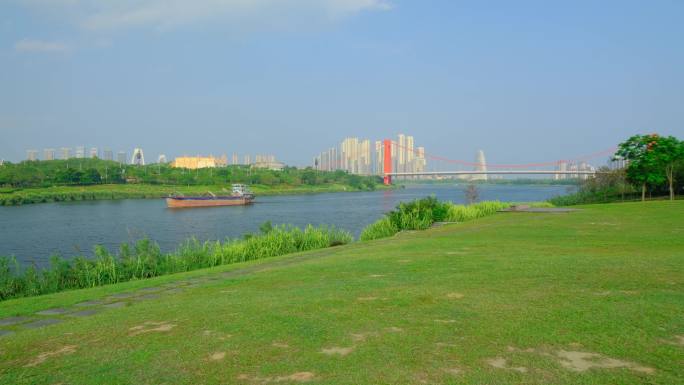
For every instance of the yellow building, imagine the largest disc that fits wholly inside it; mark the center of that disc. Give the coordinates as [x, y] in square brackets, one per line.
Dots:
[195, 162]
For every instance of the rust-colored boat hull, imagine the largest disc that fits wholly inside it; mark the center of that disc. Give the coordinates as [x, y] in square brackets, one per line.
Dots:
[183, 203]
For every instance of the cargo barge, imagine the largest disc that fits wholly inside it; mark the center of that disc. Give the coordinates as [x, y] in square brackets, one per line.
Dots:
[240, 196]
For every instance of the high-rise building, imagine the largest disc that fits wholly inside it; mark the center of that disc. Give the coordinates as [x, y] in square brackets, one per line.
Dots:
[247, 160]
[378, 158]
[65, 153]
[107, 154]
[361, 156]
[410, 154]
[161, 159]
[32, 155]
[121, 157]
[80, 152]
[138, 158]
[364, 155]
[561, 166]
[234, 159]
[93, 152]
[401, 153]
[49, 154]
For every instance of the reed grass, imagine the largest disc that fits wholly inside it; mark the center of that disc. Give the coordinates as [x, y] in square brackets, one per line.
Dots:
[144, 259]
[423, 213]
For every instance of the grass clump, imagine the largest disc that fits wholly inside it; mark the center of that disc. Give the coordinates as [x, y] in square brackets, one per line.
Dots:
[422, 213]
[144, 259]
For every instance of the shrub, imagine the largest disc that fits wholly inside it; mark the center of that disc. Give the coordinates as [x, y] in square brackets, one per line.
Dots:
[382, 228]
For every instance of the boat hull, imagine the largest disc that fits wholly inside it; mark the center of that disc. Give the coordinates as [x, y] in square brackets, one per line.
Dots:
[183, 202]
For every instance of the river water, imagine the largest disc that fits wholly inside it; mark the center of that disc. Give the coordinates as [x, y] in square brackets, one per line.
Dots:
[33, 233]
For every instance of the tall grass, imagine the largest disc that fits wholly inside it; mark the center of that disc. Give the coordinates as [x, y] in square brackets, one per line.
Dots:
[144, 259]
[422, 213]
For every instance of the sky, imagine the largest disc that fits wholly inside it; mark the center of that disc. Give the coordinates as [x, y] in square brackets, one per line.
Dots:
[525, 81]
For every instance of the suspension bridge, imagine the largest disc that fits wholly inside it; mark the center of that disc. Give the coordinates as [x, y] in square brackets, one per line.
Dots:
[483, 168]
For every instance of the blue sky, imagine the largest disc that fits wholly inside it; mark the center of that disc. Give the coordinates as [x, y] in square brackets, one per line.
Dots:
[525, 81]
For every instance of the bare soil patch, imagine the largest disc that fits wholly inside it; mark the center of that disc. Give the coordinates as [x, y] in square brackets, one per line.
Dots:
[454, 295]
[502, 363]
[150, 326]
[335, 350]
[42, 357]
[217, 356]
[583, 361]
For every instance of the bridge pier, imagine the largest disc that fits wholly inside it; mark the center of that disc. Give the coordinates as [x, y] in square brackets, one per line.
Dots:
[387, 162]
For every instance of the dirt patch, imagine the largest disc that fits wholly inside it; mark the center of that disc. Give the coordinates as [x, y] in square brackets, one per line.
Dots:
[445, 344]
[280, 345]
[502, 363]
[454, 295]
[42, 357]
[676, 340]
[376, 275]
[335, 350]
[217, 356]
[294, 377]
[583, 361]
[394, 329]
[453, 371]
[445, 321]
[149, 327]
[297, 377]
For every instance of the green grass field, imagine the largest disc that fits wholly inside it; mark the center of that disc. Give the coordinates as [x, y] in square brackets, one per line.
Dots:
[589, 297]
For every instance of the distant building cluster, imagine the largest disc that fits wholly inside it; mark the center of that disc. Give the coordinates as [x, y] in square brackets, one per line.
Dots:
[196, 162]
[138, 158]
[82, 152]
[569, 167]
[356, 156]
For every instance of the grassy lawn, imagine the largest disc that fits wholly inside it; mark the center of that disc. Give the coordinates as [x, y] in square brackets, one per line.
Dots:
[589, 297]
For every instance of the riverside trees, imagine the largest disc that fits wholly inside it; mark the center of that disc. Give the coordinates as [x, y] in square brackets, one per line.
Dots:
[653, 160]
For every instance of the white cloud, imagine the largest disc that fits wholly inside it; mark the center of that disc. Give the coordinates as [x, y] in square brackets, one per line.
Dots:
[164, 14]
[30, 45]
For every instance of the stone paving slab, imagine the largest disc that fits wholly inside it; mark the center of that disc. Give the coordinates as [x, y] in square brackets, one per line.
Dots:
[90, 303]
[85, 313]
[174, 291]
[5, 332]
[147, 296]
[148, 289]
[122, 295]
[115, 305]
[13, 320]
[54, 311]
[41, 323]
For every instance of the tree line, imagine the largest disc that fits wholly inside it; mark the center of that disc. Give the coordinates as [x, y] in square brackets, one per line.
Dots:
[82, 172]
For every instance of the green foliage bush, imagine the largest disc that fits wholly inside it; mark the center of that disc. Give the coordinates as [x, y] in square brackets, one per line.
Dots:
[144, 259]
[420, 214]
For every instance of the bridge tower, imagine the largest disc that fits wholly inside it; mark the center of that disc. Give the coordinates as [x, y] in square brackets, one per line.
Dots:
[387, 162]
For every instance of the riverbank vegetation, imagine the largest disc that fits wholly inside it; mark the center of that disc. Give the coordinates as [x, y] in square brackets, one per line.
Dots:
[588, 297]
[653, 169]
[92, 179]
[423, 213]
[144, 259]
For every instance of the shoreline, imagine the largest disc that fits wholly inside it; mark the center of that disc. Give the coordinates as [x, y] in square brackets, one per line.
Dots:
[19, 197]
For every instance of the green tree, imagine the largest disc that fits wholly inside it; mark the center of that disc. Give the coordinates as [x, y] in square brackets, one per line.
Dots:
[652, 160]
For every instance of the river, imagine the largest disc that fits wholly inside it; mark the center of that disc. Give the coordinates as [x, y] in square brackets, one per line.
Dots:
[33, 233]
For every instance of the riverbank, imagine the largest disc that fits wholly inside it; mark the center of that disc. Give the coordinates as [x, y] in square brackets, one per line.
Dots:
[537, 298]
[19, 196]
